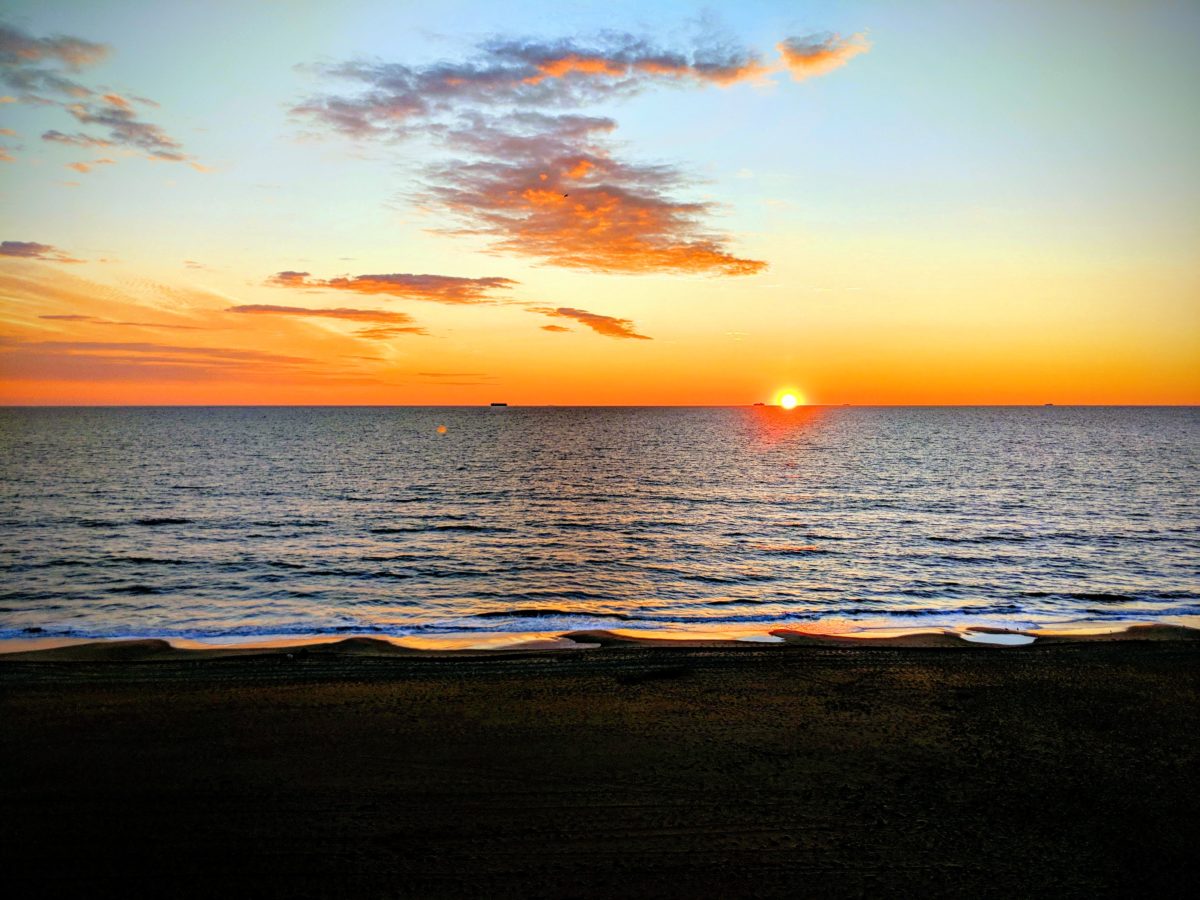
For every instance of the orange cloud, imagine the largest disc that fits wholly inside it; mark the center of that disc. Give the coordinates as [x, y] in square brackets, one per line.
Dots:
[589, 65]
[545, 187]
[392, 323]
[438, 288]
[385, 332]
[820, 54]
[608, 326]
[96, 320]
[135, 361]
[83, 167]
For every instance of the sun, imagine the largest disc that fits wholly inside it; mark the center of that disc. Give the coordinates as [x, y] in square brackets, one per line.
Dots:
[789, 398]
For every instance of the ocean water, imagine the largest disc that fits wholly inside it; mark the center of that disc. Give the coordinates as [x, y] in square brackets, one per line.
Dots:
[224, 523]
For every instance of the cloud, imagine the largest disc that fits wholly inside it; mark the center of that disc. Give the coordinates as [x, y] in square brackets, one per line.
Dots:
[394, 323]
[384, 332]
[545, 183]
[30, 65]
[555, 328]
[359, 315]
[531, 74]
[546, 186]
[34, 250]
[96, 320]
[75, 140]
[137, 361]
[35, 69]
[125, 129]
[82, 167]
[18, 49]
[438, 288]
[819, 54]
[605, 325]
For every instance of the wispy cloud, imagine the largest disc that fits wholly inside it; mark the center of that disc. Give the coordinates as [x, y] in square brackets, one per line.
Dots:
[609, 326]
[37, 70]
[547, 184]
[96, 320]
[137, 361]
[34, 250]
[64, 328]
[438, 288]
[75, 140]
[125, 129]
[386, 324]
[83, 167]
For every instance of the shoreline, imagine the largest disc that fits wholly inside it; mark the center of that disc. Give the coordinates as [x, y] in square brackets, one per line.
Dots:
[970, 637]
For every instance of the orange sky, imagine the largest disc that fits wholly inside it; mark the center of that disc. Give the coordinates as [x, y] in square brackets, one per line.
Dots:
[598, 218]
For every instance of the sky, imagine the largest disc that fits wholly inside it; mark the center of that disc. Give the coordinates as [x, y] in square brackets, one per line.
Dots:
[291, 202]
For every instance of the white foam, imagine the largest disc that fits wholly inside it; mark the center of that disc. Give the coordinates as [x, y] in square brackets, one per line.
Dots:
[1006, 639]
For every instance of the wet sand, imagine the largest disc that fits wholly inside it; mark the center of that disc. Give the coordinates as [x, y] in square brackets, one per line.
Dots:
[806, 768]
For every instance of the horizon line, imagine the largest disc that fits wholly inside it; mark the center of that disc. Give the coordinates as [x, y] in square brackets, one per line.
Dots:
[752, 405]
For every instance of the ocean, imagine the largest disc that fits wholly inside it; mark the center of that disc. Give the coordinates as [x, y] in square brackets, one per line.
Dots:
[235, 523]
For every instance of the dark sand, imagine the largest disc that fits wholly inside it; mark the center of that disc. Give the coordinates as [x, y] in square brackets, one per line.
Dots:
[1066, 768]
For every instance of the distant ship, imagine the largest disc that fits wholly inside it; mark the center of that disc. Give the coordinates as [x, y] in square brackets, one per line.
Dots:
[499, 404]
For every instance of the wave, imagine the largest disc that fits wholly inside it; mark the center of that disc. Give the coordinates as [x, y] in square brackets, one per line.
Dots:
[536, 613]
[426, 529]
[798, 550]
[992, 538]
[1088, 596]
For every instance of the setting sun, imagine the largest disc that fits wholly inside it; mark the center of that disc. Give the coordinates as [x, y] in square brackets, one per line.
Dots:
[789, 398]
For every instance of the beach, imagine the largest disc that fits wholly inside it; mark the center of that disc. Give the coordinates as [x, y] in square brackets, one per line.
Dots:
[813, 767]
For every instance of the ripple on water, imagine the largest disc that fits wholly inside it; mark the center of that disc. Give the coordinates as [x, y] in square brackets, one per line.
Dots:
[293, 521]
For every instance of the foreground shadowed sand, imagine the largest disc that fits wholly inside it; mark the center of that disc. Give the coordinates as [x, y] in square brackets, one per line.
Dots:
[352, 769]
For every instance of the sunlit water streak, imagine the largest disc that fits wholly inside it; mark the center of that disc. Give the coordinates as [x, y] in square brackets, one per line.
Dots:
[224, 522]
